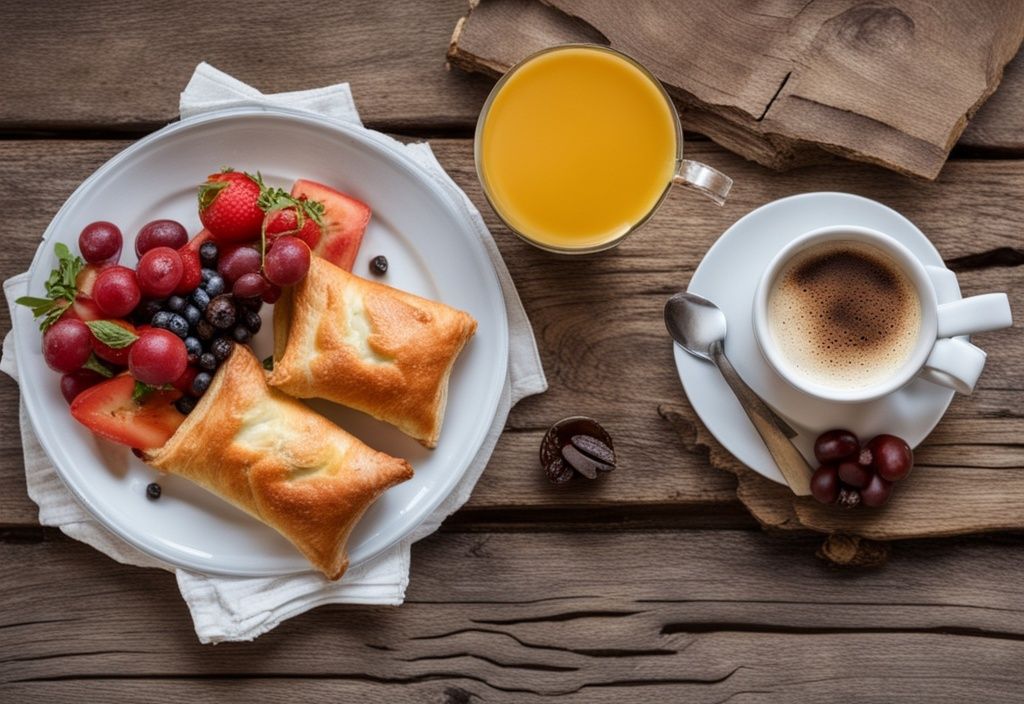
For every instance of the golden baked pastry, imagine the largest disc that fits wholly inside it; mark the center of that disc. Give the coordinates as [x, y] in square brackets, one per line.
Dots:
[369, 346]
[278, 460]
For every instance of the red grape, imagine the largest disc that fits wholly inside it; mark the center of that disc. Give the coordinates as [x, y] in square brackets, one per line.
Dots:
[116, 291]
[835, 446]
[234, 263]
[825, 484]
[250, 285]
[157, 357]
[891, 457]
[160, 233]
[877, 492]
[100, 242]
[854, 473]
[287, 261]
[159, 272]
[74, 383]
[115, 355]
[272, 293]
[67, 345]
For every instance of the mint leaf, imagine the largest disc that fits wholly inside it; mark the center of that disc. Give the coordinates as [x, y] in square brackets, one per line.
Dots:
[112, 334]
[142, 390]
[97, 366]
[61, 288]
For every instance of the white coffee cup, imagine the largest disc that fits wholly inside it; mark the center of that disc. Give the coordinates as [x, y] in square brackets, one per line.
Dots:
[938, 354]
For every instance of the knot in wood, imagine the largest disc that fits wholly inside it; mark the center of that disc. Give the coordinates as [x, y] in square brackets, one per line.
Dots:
[875, 28]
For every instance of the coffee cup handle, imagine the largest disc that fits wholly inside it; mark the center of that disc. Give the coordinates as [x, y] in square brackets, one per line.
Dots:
[704, 179]
[954, 363]
[988, 311]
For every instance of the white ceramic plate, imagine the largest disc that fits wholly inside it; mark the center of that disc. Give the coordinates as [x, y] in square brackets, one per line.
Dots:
[432, 251]
[728, 275]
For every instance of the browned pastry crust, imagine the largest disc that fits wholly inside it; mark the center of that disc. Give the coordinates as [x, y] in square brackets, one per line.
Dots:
[369, 346]
[275, 458]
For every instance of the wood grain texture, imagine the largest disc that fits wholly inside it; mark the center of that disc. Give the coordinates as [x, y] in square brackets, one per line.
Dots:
[892, 84]
[598, 326]
[696, 616]
[104, 65]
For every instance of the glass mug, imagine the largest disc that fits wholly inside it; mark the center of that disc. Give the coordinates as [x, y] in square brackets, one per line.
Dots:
[578, 145]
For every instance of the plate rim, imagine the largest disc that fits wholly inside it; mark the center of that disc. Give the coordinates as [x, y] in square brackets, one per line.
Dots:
[388, 149]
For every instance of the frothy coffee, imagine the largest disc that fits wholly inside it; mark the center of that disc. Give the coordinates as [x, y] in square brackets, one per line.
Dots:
[844, 314]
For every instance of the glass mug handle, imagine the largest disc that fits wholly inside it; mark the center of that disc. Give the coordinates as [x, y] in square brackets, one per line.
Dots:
[701, 177]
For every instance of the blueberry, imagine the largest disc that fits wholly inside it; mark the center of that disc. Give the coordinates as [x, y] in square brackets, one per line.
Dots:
[194, 348]
[205, 331]
[201, 299]
[153, 491]
[208, 274]
[215, 286]
[162, 319]
[379, 265]
[221, 348]
[185, 404]
[221, 312]
[178, 325]
[207, 361]
[241, 334]
[208, 254]
[251, 319]
[176, 304]
[192, 315]
[146, 310]
[253, 304]
[201, 383]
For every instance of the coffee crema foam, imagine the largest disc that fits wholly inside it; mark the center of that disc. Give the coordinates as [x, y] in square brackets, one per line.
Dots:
[844, 314]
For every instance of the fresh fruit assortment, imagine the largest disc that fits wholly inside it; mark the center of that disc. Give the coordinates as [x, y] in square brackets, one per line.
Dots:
[851, 475]
[137, 347]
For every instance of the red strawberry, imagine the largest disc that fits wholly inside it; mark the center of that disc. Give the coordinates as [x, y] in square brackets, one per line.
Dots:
[344, 222]
[114, 355]
[294, 217]
[229, 206]
[191, 273]
[108, 410]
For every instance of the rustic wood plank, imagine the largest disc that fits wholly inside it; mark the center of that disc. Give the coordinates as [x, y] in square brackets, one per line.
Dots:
[998, 126]
[106, 66]
[695, 615]
[594, 315]
[892, 85]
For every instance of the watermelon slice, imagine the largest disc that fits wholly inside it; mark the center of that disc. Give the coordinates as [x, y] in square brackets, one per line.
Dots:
[344, 220]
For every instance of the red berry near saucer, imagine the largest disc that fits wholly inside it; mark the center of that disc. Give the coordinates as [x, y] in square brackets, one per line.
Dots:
[100, 242]
[67, 345]
[891, 457]
[229, 206]
[836, 446]
[825, 484]
[159, 272]
[877, 492]
[854, 474]
[116, 291]
[158, 357]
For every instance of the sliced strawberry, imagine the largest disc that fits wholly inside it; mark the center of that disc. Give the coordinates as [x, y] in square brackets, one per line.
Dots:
[108, 410]
[114, 355]
[191, 273]
[344, 222]
[84, 309]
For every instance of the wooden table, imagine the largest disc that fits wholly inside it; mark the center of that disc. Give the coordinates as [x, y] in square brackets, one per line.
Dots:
[652, 585]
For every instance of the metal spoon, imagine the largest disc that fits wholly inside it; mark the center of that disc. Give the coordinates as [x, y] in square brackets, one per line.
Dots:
[698, 325]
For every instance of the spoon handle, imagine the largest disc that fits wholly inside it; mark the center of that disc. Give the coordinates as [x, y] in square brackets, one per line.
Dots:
[789, 460]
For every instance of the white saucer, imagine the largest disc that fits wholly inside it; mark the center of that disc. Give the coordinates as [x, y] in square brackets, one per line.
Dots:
[729, 274]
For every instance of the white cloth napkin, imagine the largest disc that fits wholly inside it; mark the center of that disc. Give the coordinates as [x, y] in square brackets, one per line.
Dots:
[225, 608]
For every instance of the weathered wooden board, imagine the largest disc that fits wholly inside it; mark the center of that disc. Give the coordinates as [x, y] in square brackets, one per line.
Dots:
[892, 84]
[598, 323]
[697, 616]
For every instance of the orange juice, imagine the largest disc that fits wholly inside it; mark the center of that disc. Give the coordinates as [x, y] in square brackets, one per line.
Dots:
[577, 147]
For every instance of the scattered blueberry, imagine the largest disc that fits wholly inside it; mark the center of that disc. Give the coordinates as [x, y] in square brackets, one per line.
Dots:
[201, 383]
[176, 304]
[201, 299]
[208, 254]
[194, 348]
[192, 315]
[215, 286]
[153, 491]
[252, 320]
[221, 348]
[178, 325]
[379, 265]
[205, 331]
[185, 405]
[162, 319]
[221, 312]
[241, 334]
